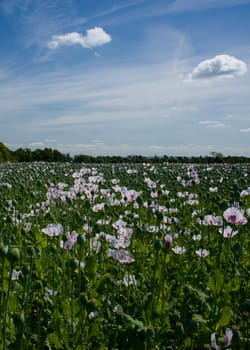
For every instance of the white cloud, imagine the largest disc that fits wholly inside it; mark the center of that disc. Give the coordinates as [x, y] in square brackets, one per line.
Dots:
[245, 130]
[95, 149]
[125, 104]
[36, 144]
[212, 123]
[94, 37]
[124, 149]
[219, 66]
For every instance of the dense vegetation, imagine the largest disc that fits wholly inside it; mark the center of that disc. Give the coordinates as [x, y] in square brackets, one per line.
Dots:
[124, 256]
[52, 155]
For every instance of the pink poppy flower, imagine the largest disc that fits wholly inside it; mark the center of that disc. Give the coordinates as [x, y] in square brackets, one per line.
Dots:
[228, 232]
[227, 340]
[168, 240]
[234, 216]
[121, 255]
[202, 252]
[98, 207]
[71, 240]
[53, 230]
[179, 250]
[212, 220]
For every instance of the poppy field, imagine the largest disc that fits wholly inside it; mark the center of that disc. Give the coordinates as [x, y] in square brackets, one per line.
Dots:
[124, 256]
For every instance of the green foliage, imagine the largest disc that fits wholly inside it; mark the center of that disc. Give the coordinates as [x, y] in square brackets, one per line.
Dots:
[68, 291]
[5, 154]
[53, 155]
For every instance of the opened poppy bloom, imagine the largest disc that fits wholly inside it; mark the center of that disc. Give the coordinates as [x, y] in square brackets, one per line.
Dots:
[53, 230]
[212, 220]
[179, 250]
[202, 252]
[235, 216]
[227, 340]
[228, 232]
[121, 255]
[71, 240]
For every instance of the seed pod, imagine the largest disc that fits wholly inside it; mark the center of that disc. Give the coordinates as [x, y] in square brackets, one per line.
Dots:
[158, 244]
[91, 305]
[13, 255]
[236, 247]
[74, 263]
[38, 285]
[246, 306]
[80, 240]
[150, 332]
[83, 299]
[19, 319]
[26, 269]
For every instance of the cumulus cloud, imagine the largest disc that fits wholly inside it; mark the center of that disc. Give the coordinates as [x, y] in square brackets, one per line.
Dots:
[94, 37]
[219, 66]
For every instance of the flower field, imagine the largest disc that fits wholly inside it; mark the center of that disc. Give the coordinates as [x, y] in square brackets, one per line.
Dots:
[131, 256]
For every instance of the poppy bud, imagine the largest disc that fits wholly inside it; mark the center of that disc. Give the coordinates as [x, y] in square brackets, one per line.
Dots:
[246, 306]
[158, 244]
[91, 305]
[186, 290]
[74, 263]
[236, 337]
[193, 326]
[179, 328]
[236, 247]
[26, 269]
[83, 299]
[13, 255]
[38, 285]
[19, 319]
[80, 240]
[150, 332]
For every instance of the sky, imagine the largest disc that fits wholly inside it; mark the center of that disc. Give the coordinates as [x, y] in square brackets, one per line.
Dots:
[122, 77]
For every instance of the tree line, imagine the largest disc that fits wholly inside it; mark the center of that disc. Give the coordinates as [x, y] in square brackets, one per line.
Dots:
[53, 155]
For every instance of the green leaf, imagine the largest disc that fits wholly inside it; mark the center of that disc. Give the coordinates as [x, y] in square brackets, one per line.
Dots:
[225, 317]
[135, 323]
[54, 341]
[198, 318]
[216, 282]
[171, 305]
[202, 296]
[188, 342]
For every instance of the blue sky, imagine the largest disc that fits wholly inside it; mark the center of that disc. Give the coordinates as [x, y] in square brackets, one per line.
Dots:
[126, 77]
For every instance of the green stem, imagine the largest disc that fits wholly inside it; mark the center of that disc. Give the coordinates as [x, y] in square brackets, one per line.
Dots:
[6, 308]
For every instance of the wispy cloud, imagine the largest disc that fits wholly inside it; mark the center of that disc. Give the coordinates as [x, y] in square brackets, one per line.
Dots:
[11, 6]
[36, 21]
[116, 9]
[141, 10]
[96, 148]
[213, 124]
[197, 5]
[245, 130]
[94, 37]
[79, 95]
